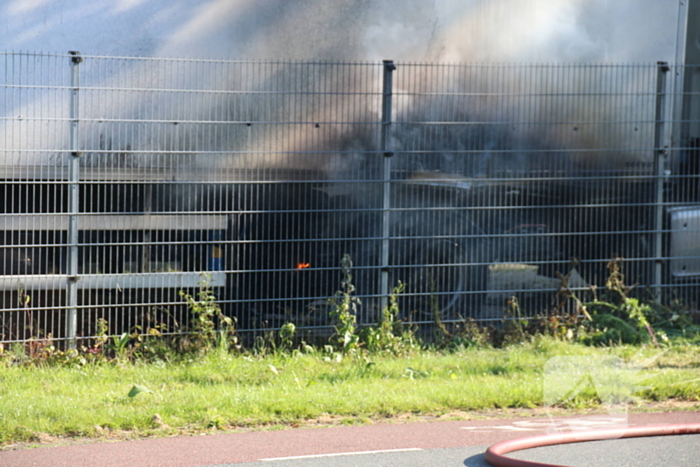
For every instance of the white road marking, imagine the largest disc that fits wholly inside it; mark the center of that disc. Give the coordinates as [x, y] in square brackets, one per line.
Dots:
[355, 453]
[557, 424]
[514, 428]
[593, 421]
[504, 427]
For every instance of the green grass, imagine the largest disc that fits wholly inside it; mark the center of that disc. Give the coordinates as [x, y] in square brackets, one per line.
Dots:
[222, 391]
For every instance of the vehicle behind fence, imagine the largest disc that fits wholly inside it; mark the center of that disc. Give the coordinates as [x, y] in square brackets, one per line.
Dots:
[127, 180]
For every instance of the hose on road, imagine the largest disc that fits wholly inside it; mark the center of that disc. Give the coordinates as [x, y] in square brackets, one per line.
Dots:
[495, 454]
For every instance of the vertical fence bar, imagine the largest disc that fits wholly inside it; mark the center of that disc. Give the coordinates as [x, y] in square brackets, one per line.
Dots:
[73, 202]
[385, 149]
[660, 154]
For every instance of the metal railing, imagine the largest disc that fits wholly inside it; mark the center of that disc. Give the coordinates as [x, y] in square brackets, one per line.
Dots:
[126, 180]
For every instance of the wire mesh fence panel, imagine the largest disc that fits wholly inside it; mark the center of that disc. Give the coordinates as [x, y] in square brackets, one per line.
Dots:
[481, 188]
[511, 172]
[33, 107]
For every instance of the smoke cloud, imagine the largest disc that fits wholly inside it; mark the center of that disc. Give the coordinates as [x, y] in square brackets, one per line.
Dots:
[443, 31]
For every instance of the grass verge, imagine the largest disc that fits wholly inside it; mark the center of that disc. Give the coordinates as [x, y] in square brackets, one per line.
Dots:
[220, 391]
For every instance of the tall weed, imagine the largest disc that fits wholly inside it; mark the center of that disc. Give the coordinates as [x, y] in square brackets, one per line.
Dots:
[209, 327]
[390, 335]
[344, 307]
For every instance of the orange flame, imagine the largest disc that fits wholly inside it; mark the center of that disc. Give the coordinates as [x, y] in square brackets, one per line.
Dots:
[303, 265]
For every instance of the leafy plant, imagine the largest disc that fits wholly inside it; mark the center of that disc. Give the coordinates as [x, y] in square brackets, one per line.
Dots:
[205, 313]
[517, 322]
[390, 335]
[468, 334]
[24, 300]
[344, 307]
[619, 318]
[101, 336]
[119, 346]
[287, 334]
[614, 316]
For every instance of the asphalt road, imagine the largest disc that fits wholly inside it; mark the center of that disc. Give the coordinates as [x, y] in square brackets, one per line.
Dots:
[661, 451]
[440, 443]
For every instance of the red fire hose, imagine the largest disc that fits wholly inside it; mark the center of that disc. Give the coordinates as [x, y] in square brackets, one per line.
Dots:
[495, 454]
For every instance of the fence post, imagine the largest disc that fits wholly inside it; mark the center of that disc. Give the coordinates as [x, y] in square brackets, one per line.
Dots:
[660, 154]
[73, 202]
[385, 150]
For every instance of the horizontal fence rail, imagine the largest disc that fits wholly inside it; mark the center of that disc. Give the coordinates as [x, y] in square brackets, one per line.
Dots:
[127, 180]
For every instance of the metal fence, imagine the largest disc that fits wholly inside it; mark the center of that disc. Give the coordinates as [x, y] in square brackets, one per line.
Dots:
[126, 180]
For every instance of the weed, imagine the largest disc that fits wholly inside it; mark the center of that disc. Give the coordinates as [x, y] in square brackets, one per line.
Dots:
[151, 345]
[24, 301]
[287, 334]
[436, 313]
[344, 307]
[619, 318]
[205, 335]
[515, 320]
[101, 336]
[613, 316]
[264, 344]
[390, 335]
[469, 334]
